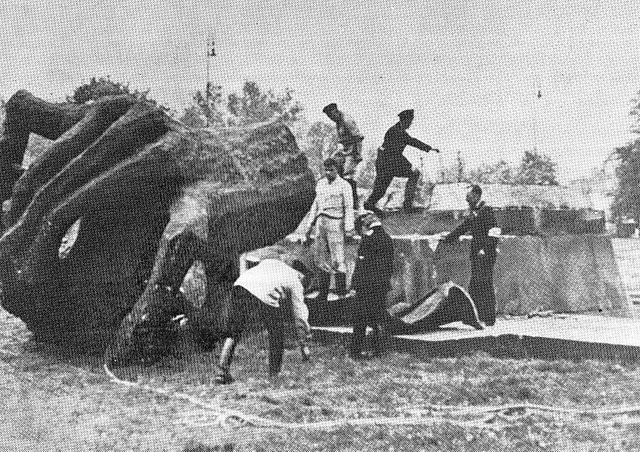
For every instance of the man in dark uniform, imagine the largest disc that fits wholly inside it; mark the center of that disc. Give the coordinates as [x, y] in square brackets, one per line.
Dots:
[479, 223]
[391, 163]
[371, 281]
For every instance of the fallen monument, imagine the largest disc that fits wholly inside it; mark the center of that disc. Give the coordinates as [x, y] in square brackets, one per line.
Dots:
[571, 273]
[149, 199]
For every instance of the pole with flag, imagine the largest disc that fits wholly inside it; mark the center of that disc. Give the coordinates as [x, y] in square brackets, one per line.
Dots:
[211, 52]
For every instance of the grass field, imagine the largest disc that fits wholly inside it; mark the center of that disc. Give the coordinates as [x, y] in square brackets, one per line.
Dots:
[50, 402]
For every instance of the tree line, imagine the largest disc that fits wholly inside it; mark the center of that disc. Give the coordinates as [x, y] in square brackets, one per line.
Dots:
[211, 109]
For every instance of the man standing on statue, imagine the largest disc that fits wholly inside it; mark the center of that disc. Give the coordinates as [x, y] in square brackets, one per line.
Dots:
[332, 214]
[391, 163]
[350, 140]
[481, 224]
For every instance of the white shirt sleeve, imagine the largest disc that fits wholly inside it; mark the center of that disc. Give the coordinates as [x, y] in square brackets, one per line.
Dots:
[300, 313]
[313, 212]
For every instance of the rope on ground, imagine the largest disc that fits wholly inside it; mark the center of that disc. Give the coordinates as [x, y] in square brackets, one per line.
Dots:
[430, 415]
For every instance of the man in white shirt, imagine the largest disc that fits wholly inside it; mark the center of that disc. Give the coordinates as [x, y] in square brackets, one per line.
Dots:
[277, 291]
[332, 214]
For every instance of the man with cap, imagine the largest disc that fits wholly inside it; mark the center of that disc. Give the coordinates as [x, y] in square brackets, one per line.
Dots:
[481, 224]
[350, 140]
[391, 163]
[276, 291]
[371, 281]
[332, 214]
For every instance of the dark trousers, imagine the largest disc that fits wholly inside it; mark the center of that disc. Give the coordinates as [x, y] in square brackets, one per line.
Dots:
[386, 170]
[481, 286]
[368, 310]
[354, 192]
[270, 316]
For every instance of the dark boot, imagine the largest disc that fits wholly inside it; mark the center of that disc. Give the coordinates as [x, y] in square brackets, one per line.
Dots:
[324, 281]
[341, 284]
[223, 376]
[410, 190]
[376, 341]
[354, 192]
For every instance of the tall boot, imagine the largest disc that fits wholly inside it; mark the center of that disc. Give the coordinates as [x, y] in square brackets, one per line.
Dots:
[376, 340]
[354, 192]
[410, 190]
[323, 286]
[341, 284]
[223, 376]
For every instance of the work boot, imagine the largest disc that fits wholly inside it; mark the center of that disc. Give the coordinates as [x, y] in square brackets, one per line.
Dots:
[376, 341]
[323, 286]
[410, 191]
[223, 376]
[341, 284]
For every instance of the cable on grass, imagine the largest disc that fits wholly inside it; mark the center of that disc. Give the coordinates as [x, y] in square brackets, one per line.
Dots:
[431, 414]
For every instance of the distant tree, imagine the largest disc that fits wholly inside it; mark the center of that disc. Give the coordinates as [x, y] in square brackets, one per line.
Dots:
[321, 142]
[208, 108]
[536, 169]
[496, 173]
[626, 197]
[253, 105]
[104, 86]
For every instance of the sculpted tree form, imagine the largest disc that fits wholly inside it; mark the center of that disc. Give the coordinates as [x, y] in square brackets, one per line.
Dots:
[152, 197]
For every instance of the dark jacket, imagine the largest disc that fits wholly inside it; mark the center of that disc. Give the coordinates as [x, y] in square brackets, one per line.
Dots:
[478, 223]
[374, 263]
[396, 139]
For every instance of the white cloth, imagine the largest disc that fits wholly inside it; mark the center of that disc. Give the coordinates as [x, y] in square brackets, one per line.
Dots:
[271, 281]
[333, 199]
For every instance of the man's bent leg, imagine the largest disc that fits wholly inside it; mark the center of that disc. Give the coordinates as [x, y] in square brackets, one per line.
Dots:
[380, 185]
[273, 319]
[359, 332]
[338, 262]
[410, 189]
[223, 375]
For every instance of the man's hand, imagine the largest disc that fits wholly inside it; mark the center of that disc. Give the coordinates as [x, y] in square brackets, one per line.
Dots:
[305, 352]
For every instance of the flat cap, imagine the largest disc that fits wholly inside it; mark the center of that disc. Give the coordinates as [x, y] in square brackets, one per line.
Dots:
[406, 114]
[330, 107]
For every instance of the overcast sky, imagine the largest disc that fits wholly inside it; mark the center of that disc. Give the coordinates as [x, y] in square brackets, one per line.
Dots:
[471, 69]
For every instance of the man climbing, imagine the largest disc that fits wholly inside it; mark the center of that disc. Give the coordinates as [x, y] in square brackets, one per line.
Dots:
[371, 281]
[350, 153]
[332, 214]
[276, 290]
[481, 224]
[391, 163]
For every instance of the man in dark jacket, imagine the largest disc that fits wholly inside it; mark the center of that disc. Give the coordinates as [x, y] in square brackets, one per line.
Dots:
[391, 163]
[371, 281]
[349, 155]
[479, 223]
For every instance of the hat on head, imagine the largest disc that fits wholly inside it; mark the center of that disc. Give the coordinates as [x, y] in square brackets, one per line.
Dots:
[330, 107]
[406, 114]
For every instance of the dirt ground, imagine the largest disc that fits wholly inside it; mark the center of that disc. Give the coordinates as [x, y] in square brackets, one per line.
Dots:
[50, 402]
